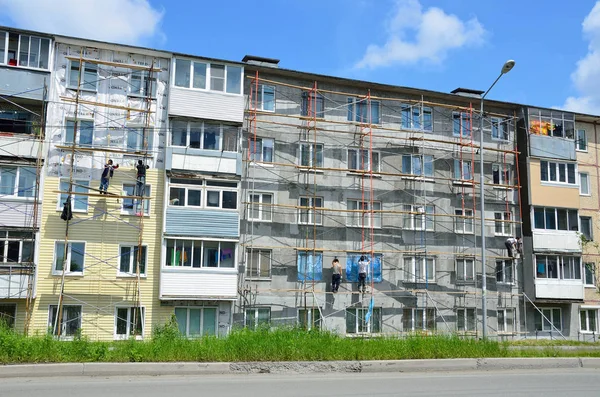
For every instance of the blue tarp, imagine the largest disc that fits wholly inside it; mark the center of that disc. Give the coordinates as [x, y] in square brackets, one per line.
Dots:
[310, 267]
[352, 268]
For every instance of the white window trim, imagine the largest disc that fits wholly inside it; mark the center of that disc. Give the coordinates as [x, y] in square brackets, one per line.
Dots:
[499, 121]
[356, 103]
[261, 207]
[149, 137]
[463, 116]
[505, 264]
[361, 315]
[588, 184]
[591, 226]
[131, 264]
[68, 272]
[462, 220]
[255, 309]
[560, 266]
[466, 320]
[421, 108]
[311, 211]
[504, 222]
[369, 168]
[420, 261]
[21, 240]
[585, 284]
[270, 264]
[464, 280]
[147, 205]
[64, 136]
[502, 170]
[15, 195]
[261, 105]
[4, 61]
[311, 146]
[62, 331]
[557, 182]
[202, 267]
[187, 321]
[553, 328]
[60, 203]
[145, 76]
[514, 322]
[129, 324]
[422, 176]
[82, 65]
[367, 219]
[413, 217]
[577, 140]
[187, 136]
[413, 317]
[310, 318]
[461, 163]
[261, 162]
[208, 76]
[587, 318]
[555, 217]
[204, 188]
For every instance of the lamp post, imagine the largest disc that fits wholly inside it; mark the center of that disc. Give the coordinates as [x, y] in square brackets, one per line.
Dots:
[507, 67]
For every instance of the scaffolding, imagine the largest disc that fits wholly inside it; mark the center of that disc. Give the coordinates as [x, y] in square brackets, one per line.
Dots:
[410, 129]
[137, 148]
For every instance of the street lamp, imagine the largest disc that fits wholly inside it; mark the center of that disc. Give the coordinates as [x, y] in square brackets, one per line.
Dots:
[507, 67]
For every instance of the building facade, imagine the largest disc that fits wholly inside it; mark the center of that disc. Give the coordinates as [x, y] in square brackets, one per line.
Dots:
[25, 67]
[342, 168]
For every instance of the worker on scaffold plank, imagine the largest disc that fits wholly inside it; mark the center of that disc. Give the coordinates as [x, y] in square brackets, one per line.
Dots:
[336, 277]
[363, 270]
[107, 173]
[141, 178]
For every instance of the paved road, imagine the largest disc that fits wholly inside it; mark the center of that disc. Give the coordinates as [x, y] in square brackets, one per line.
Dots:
[577, 382]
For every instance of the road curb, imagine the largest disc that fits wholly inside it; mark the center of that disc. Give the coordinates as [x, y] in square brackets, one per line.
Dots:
[376, 366]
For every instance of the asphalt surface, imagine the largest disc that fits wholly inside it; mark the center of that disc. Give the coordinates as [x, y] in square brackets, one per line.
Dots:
[548, 383]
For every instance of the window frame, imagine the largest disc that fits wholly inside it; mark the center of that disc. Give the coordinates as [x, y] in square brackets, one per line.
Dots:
[555, 166]
[314, 214]
[460, 171]
[504, 220]
[16, 122]
[422, 158]
[10, 319]
[559, 262]
[258, 99]
[360, 313]
[503, 174]
[587, 184]
[16, 188]
[320, 104]
[257, 321]
[464, 278]
[506, 320]
[261, 141]
[144, 78]
[6, 239]
[68, 272]
[583, 233]
[464, 219]
[501, 273]
[204, 186]
[495, 124]
[357, 154]
[356, 107]
[460, 119]
[588, 324]
[132, 263]
[408, 123]
[208, 76]
[81, 78]
[313, 318]
[409, 215]
[311, 152]
[68, 142]
[201, 261]
[191, 125]
[362, 221]
[420, 262]
[203, 314]
[589, 267]
[4, 44]
[74, 197]
[63, 333]
[302, 256]
[551, 318]
[570, 213]
[128, 331]
[260, 207]
[425, 320]
[132, 211]
[469, 320]
[260, 253]
[578, 140]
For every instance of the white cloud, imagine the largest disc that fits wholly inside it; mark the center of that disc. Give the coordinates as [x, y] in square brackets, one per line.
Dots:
[122, 21]
[417, 35]
[586, 77]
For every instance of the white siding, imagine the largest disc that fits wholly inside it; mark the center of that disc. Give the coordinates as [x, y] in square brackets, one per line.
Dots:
[198, 284]
[20, 146]
[556, 241]
[205, 164]
[558, 289]
[206, 105]
[17, 213]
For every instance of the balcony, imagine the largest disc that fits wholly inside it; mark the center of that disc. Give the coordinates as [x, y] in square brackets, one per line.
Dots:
[203, 104]
[556, 241]
[23, 82]
[20, 145]
[198, 284]
[209, 161]
[553, 147]
[550, 288]
[202, 223]
[14, 281]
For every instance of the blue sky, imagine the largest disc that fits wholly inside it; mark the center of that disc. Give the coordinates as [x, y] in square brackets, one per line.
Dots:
[432, 44]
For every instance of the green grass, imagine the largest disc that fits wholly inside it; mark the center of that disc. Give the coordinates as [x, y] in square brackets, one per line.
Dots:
[262, 345]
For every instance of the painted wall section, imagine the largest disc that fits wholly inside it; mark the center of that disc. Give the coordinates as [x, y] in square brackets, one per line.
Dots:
[551, 195]
[202, 223]
[206, 105]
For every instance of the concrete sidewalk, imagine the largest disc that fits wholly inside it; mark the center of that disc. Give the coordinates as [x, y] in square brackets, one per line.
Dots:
[189, 368]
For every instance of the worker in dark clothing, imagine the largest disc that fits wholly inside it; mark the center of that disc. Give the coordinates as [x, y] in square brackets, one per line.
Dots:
[141, 178]
[107, 173]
